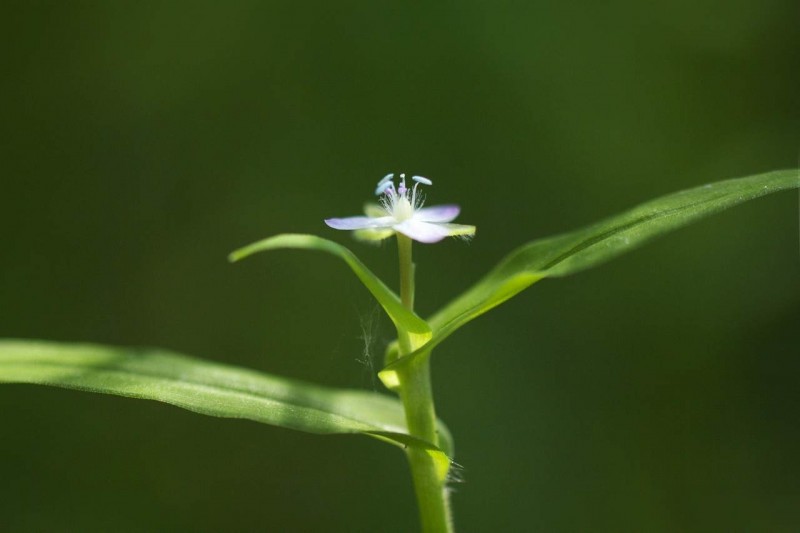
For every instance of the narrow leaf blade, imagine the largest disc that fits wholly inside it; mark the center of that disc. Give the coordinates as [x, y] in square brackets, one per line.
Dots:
[208, 388]
[595, 244]
[403, 318]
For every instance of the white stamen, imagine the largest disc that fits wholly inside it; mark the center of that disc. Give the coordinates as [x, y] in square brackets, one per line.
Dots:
[420, 179]
[386, 178]
[402, 188]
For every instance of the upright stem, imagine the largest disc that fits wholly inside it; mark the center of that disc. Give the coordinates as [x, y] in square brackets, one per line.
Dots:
[417, 396]
[406, 271]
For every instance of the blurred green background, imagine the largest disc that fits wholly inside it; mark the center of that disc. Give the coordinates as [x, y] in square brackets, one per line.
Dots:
[142, 141]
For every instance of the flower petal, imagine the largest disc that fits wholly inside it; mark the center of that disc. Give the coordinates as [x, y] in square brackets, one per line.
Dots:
[351, 223]
[422, 231]
[437, 213]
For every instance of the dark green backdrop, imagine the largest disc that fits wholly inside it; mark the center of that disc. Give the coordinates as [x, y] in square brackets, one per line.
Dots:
[140, 142]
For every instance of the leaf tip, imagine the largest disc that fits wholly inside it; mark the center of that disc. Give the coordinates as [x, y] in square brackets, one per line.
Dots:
[235, 256]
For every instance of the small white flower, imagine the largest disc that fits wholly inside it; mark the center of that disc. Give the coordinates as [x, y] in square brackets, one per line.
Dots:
[401, 211]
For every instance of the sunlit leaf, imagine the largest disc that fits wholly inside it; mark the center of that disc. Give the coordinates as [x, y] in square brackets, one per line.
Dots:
[418, 329]
[209, 388]
[593, 245]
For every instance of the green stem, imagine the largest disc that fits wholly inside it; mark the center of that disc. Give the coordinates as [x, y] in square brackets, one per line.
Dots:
[417, 396]
[406, 286]
[406, 271]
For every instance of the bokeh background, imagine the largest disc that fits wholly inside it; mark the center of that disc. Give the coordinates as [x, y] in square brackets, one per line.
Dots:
[143, 141]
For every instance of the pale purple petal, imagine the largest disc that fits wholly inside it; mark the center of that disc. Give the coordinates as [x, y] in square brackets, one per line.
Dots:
[422, 231]
[437, 213]
[351, 223]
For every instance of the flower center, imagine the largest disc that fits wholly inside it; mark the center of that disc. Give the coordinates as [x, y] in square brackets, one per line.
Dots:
[401, 202]
[402, 209]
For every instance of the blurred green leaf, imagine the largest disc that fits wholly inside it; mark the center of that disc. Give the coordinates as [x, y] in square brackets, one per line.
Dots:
[593, 245]
[403, 319]
[209, 388]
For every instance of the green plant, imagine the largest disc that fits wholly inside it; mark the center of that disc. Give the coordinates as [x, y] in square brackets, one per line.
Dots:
[410, 422]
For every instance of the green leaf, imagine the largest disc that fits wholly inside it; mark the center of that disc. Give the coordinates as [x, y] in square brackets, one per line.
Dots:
[403, 319]
[209, 388]
[593, 245]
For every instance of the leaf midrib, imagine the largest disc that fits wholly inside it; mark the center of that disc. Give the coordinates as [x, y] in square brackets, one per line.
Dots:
[588, 243]
[221, 389]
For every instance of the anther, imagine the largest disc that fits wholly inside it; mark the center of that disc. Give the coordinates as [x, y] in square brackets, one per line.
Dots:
[388, 177]
[385, 187]
[420, 179]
